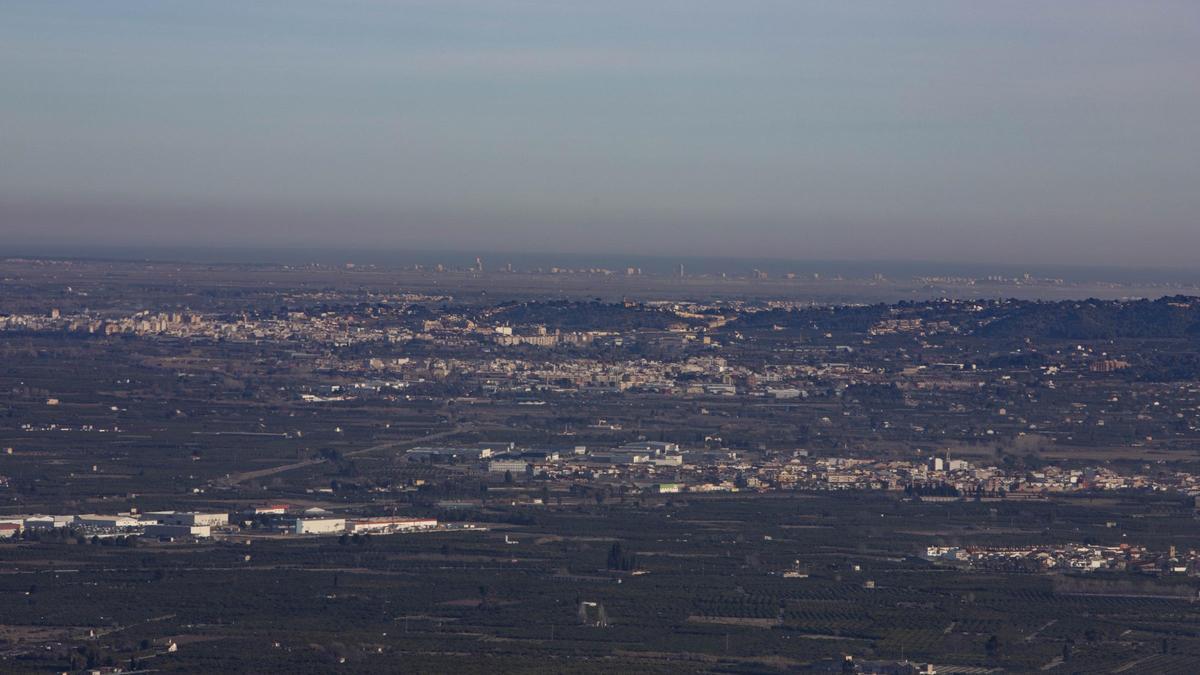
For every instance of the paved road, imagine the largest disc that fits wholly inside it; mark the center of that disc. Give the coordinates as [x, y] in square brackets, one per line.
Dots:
[236, 478]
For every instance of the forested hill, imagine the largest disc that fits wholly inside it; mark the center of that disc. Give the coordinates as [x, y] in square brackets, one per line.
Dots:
[844, 318]
[569, 315]
[1169, 317]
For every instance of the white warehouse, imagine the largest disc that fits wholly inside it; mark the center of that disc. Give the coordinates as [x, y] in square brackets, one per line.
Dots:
[190, 518]
[179, 531]
[320, 525]
[106, 522]
[391, 524]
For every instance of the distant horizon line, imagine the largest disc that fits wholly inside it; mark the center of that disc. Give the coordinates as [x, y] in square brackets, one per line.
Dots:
[138, 253]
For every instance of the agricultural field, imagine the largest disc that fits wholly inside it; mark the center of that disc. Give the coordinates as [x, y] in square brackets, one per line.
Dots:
[707, 592]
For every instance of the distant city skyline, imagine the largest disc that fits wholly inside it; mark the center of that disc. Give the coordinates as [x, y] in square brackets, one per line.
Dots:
[1017, 133]
[618, 263]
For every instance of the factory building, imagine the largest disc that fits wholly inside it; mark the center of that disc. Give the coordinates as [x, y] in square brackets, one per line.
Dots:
[375, 525]
[190, 518]
[642, 452]
[178, 531]
[48, 522]
[320, 525]
[516, 466]
[93, 520]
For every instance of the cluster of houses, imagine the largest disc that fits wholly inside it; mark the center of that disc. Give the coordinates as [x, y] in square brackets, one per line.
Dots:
[506, 457]
[1069, 558]
[667, 468]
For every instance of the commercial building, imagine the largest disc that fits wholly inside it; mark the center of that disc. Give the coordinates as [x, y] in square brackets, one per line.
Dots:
[178, 531]
[47, 522]
[189, 518]
[643, 452]
[107, 522]
[320, 525]
[363, 525]
[503, 465]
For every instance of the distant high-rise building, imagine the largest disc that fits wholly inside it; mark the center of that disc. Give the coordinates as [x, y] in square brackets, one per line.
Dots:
[478, 264]
[680, 270]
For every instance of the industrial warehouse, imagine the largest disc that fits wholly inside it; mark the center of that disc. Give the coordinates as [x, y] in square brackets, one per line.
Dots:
[190, 525]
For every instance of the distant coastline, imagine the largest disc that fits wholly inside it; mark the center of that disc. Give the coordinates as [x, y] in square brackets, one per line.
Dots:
[648, 264]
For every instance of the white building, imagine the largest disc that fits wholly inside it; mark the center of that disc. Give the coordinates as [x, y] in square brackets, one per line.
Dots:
[643, 452]
[178, 531]
[190, 518]
[362, 525]
[517, 466]
[48, 522]
[103, 521]
[320, 525]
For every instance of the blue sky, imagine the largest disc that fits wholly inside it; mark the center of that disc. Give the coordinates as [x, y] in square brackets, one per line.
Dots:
[994, 131]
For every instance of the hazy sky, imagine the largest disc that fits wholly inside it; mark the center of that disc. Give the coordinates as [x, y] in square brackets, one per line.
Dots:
[1041, 131]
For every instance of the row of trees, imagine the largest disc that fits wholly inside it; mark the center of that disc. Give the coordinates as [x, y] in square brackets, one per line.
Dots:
[618, 559]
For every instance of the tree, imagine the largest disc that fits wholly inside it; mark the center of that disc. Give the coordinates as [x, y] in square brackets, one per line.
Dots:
[618, 559]
[992, 646]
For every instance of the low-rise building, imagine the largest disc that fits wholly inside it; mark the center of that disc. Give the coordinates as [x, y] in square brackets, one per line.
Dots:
[363, 525]
[178, 531]
[107, 522]
[188, 518]
[320, 525]
[47, 522]
[503, 465]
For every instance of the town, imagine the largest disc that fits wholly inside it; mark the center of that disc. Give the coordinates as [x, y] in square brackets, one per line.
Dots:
[762, 473]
